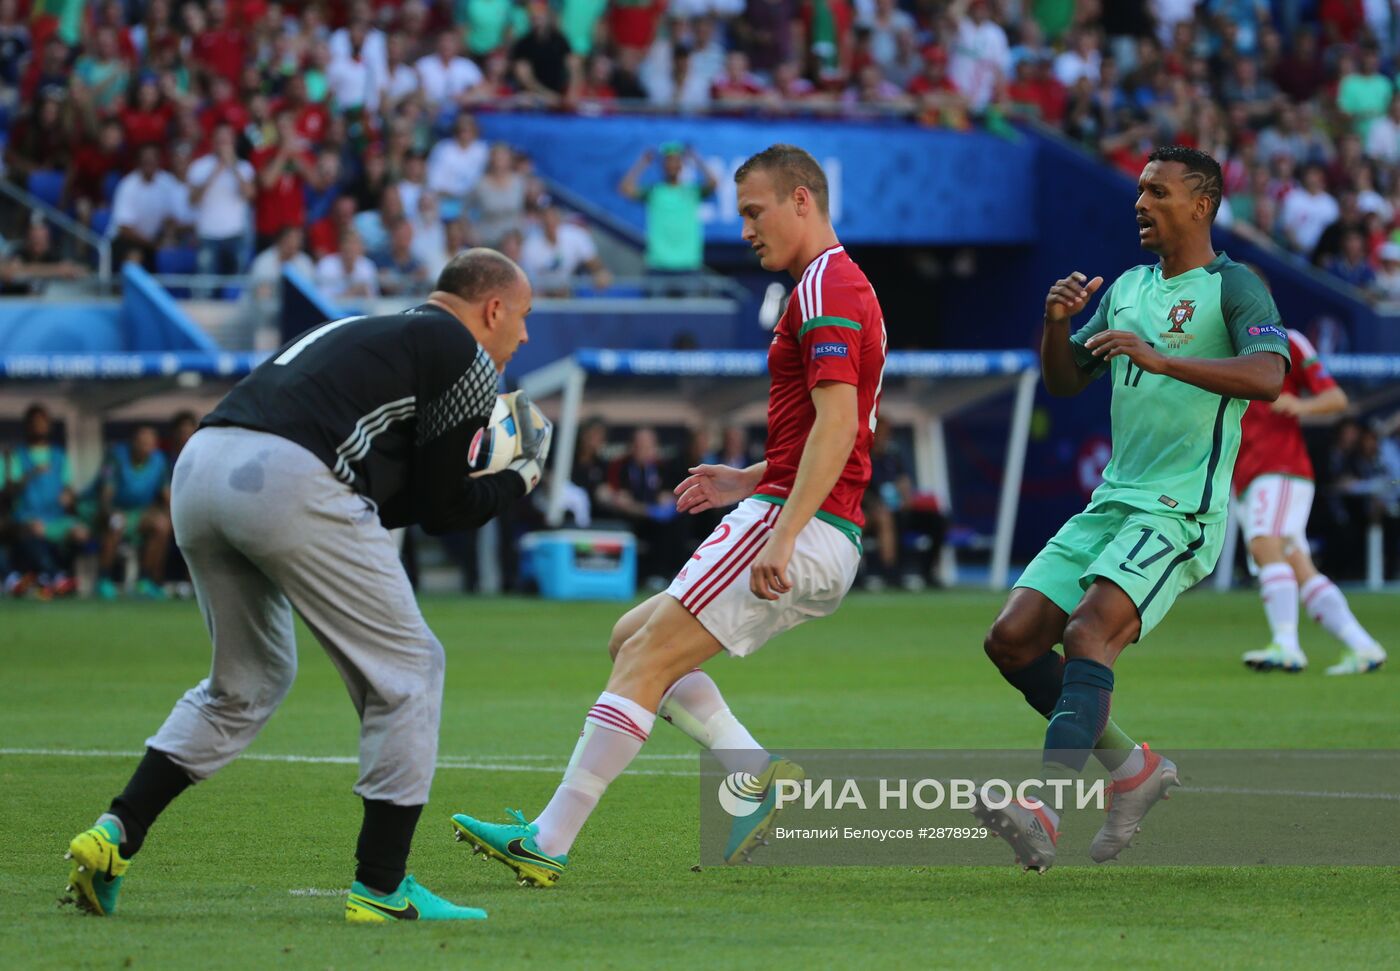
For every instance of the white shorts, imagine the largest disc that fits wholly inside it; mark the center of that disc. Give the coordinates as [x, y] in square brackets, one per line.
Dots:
[1276, 505]
[714, 585]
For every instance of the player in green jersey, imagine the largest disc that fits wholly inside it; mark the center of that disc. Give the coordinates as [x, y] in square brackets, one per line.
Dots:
[1187, 343]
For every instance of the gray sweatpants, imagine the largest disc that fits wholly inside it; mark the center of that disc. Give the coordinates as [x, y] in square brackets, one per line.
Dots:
[265, 527]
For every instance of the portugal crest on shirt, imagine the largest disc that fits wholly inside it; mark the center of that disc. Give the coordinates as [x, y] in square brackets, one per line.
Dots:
[1180, 314]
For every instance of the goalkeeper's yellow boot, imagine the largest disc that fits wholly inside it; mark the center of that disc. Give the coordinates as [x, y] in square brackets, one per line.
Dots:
[98, 868]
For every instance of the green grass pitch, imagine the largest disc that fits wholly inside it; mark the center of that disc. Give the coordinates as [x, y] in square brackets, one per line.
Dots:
[246, 870]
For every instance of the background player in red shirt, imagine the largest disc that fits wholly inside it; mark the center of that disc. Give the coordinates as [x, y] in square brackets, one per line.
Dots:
[1273, 497]
[788, 552]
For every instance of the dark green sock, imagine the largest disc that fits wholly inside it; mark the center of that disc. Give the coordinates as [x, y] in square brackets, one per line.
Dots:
[1041, 681]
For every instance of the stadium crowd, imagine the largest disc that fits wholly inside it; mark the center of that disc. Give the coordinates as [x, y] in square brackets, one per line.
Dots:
[341, 135]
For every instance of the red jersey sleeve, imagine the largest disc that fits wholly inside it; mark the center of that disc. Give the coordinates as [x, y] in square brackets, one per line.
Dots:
[1311, 374]
[829, 334]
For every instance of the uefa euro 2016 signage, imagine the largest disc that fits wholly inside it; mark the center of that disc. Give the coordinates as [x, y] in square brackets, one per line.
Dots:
[891, 182]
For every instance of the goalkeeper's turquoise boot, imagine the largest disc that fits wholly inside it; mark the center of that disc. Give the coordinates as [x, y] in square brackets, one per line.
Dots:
[748, 832]
[514, 845]
[98, 868]
[411, 901]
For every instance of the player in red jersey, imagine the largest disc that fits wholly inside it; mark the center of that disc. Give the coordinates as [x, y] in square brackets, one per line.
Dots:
[1273, 496]
[787, 552]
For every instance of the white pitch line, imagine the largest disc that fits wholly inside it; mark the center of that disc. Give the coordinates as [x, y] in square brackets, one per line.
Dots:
[446, 762]
[318, 892]
[1303, 793]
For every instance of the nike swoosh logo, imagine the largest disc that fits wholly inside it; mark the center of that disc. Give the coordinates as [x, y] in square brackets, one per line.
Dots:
[517, 848]
[1119, 310]
[406, 912]
[1127, 567]
[1059, 714]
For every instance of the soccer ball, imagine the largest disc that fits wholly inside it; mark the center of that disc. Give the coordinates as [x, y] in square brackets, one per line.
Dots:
[496, 445]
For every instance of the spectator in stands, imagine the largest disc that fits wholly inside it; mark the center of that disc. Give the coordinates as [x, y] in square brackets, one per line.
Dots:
[429, 234]
[401, 79]
[222, 187]
[147, 116]
[494, 24]
[265, 282]
[218, 48]
[134, 509]
[456, 164]
[1349, 219]
[940, 102]
[374, 225]
[445, 76]
[401, 273]
[1388, 277]
[283, 169]
[891, 31]
[413, 181]
[872, 88]
[981, 60]
[737, 86]
[497, 201]
[1351, 265]
[323, 238]
[1383, 140]
[28, 267]
[675, 235]
[351, 77]
[14, 43]
[359, 33]
[639, 492]
[1364, 96]
[145, 208]
[1081, 58]
[1253, 96]
[541, 58]
[45, 506]
[92, 173]
[100, 78]
[41, 140]
[590, 471]
[347, 274]
[553, 255]
[1309, 210]
[734, 448]
[1294, 135]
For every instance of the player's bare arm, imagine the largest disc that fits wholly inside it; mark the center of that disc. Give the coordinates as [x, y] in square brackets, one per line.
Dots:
[1257, 376]
[1062, 375]
[1328, 402]
[717, 486]
[823, 458]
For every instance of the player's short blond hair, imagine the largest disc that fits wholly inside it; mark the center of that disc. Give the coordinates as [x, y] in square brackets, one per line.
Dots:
[789, 167]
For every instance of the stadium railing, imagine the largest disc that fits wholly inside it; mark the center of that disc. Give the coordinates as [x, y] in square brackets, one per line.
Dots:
[921, 388]
[65, 224]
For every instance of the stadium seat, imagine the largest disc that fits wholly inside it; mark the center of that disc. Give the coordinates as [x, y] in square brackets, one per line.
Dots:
[101, 219]
[47, 185]
[109, 185]
[176, 259]
[5, 117]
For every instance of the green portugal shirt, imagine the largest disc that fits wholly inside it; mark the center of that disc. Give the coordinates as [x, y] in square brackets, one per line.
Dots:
[675, 235]
[1174, 444]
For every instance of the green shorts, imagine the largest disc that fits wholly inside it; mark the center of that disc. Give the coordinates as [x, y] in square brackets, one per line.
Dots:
[1153, 558]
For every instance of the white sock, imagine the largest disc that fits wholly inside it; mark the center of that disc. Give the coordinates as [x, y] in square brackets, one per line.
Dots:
[1326, 605]
[694, 705]
[613, 733]
[1278, 588]
[1131, 766]
[121, 827]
